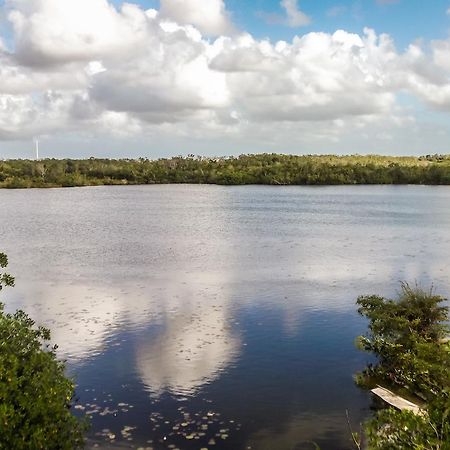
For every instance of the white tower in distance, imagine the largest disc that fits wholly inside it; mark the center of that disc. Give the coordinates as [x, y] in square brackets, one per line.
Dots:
[37, 149]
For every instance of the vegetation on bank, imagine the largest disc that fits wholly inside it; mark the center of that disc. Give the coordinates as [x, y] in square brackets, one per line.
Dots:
[409, 338]
[35, 395]
[268, 169]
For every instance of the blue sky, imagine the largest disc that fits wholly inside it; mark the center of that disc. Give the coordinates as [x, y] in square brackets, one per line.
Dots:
[405, 20]
[90, 80]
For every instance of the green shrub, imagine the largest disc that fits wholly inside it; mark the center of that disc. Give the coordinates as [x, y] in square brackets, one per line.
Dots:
[407, 335]
[404, 335]
[35, 395]
[402, 430]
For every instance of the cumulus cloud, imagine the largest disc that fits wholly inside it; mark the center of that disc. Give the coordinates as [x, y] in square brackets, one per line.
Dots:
[174, 79]
[427, 76]
[91, 67]
[295, 17]
[62, 31]
[317, 77]
[209, 16]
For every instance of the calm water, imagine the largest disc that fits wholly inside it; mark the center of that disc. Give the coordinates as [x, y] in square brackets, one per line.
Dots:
[218, 317]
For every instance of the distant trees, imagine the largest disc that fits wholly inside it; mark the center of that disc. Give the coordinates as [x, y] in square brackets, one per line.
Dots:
[272, 169]
[35, 395]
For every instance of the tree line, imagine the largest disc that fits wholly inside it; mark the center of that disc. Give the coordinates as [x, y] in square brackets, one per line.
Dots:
[267, 169]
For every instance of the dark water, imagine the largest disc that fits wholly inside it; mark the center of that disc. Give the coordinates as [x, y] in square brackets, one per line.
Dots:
[191, 313]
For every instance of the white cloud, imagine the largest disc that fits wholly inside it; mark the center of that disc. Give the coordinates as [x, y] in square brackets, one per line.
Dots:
[94, 67]
[428, 75]
[295, 17]
[62, 31]
[209, 16]
[168, 81]
[317, 77]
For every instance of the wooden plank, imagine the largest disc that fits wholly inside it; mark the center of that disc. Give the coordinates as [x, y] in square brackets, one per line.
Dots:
[396, 401]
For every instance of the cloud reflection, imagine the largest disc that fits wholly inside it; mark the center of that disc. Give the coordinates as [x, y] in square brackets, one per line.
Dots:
[191, 351]
[196, 342]
[81, 317]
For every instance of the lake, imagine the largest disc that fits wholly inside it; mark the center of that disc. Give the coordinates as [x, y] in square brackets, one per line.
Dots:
[218, 317]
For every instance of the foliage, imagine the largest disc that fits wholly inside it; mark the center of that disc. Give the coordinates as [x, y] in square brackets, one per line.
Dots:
[397, 430]
[407, 335]
[271, 169]
[404, 334]
[5, 279]
[35, 395]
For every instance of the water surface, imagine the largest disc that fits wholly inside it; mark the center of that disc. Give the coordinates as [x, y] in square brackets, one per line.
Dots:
[218, 317]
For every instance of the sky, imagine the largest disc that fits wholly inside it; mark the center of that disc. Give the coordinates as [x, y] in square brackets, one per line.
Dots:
[154, 79]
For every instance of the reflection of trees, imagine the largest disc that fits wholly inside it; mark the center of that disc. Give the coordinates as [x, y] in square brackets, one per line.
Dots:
[301, 432]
